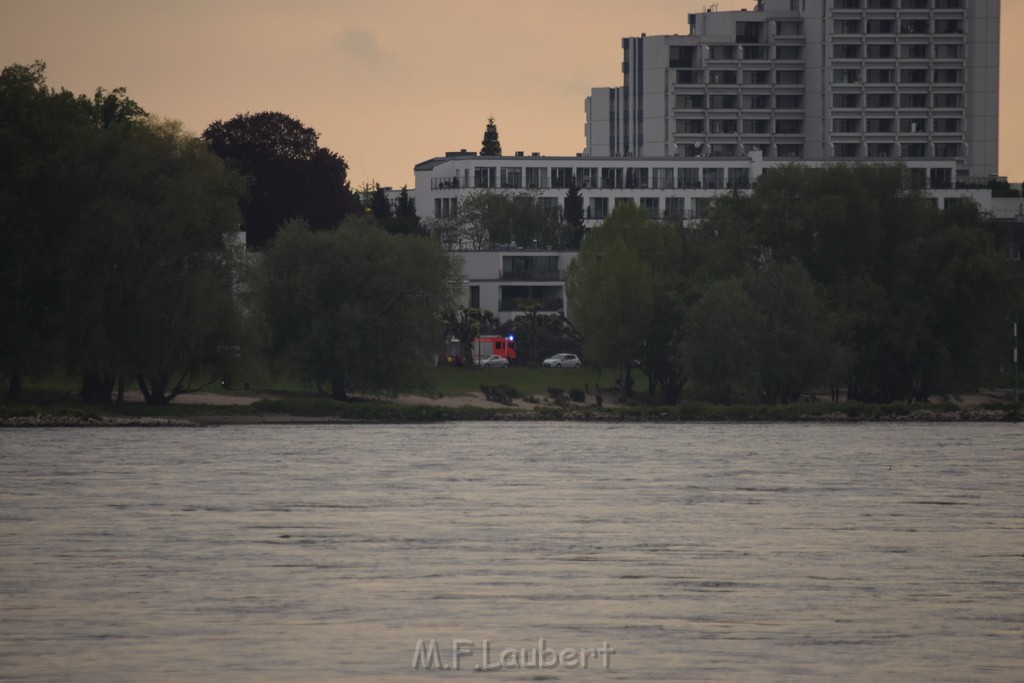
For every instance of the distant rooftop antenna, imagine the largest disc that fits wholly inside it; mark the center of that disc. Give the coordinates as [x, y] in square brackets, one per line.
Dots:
[713, 7]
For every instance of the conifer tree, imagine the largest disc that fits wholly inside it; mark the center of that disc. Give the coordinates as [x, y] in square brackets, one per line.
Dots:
[491, 144]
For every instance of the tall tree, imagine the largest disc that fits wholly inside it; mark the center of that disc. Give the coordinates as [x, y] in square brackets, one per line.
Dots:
[45, 178]
[290, 175]
[148, 274]
[404, 220]
[491, 145]
[574, 214]
[355, 309]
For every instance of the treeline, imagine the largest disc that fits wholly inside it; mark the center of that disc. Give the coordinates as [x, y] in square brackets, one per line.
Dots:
[833, 278]
[120, 263]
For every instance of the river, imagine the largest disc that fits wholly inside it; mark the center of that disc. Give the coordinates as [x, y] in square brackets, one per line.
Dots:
[521, 551]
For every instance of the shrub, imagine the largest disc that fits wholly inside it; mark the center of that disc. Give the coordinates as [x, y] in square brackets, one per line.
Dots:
[577, 395]
[556, 392]
[500, 393]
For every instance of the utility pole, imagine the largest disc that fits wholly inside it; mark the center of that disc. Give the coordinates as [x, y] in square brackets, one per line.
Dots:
[1016, 375]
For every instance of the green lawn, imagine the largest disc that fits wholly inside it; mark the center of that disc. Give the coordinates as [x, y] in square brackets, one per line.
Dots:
[529, 381]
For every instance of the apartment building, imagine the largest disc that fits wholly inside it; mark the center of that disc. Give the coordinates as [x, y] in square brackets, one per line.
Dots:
[839, 80]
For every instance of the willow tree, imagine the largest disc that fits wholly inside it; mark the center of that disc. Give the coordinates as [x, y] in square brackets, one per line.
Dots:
[355, 308]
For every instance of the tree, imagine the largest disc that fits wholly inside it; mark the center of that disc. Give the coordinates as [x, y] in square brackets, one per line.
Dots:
[290, 175]
[491, 146]
[404, 221]
[148, 274]
[45, 179]
[627, 295]
[466, 324]
[379, 204]
[489, 218]
[574, 214]
[355, 308]
[721, 340]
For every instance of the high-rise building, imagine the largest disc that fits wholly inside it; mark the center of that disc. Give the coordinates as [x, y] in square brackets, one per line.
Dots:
[840, 80]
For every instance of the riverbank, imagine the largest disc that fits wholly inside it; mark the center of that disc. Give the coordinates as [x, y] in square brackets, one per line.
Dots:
[220, 409]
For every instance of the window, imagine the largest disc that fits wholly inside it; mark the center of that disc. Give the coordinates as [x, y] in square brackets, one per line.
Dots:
[789, 77]
[512, 177]
[474, 296]
[689, 101]
[947, 100]
[612, 178]
[913, 75]
[847, 150]
[881, 51]
[701, 207]
[879, 125]
[722, 126]
[723, 150]
[689, 76]
[909, 26]
[914, 101]
[947, 150]
[947, 75]
[688, 178]
[789, 52]
[880, 26]
[940, 178]
[845, 125]
[846, 4]
[619, 201]
[445, 208]
[789, 101]
[914, 51]
[948, 51]
[844, 101]
[756, 101]
[739, 178]
[484, 176]
[789, 28]
[722, 102]
[755, 126]
[913, 125]
[561, 178]
[721, 52]
[880, 101]
[748, 32]
[598, 208]
[689, 126]
[914, 4]
[915, 150]
[536, 178]
[946, 125]
[846, 26]
[755, 52]
[550, 205]
[650, 205]
[756, 77]
[882, 150]
[714, 178]
[637, 177]
[680, 56]
[722, 77]
[586, 177]
[948, 26]
[675, 206]
[846, 76]
[789, 126]
[846, 51]
[880, 76]
[787, 151]
[663, 179]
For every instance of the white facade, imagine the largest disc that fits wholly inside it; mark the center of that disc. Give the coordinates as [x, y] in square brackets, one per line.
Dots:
[813, 79]
[661, 185]
[503, 280]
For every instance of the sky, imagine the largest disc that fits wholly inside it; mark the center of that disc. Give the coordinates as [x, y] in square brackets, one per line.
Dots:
[386, 84]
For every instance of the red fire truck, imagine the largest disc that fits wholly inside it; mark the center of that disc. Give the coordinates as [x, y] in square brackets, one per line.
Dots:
[484, 346]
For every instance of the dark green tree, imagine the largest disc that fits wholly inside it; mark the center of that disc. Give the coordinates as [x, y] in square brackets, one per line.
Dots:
[574, 214]
[148, 273]
[356, 308]
[721, 340]
[404, 220]
[379, 204]
[289, 174]
[491, 145]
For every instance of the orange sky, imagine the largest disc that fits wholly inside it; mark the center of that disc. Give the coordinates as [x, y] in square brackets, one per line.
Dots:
[386, 84]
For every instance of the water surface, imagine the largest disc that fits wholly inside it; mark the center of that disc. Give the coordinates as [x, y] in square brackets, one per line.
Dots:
[696, 551]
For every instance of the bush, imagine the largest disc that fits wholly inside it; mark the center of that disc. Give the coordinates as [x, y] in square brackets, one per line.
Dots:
[500, 393]
[556, 392]
[577, 395]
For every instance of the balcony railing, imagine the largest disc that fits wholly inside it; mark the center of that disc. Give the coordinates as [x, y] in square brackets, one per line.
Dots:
[532, 275]
[519, 304]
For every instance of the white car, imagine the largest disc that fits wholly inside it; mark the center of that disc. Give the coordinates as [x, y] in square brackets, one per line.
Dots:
[562, 360]
[492, 362]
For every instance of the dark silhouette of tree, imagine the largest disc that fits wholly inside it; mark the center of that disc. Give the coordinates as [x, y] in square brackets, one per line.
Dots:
[574, 214]
[491, 145]
[404, 220]
[290, 175]
[379, 205]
